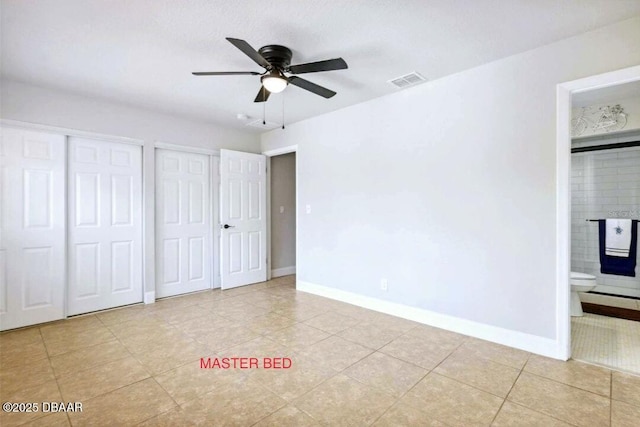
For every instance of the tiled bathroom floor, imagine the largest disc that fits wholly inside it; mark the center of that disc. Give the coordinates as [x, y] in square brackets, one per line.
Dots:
[607, 341]
[350, 366]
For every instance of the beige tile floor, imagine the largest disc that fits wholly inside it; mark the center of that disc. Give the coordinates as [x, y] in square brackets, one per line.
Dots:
[606, 341]
[350, 366]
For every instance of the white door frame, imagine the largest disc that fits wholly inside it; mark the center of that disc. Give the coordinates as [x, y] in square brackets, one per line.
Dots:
[564, 92]
[272, 153]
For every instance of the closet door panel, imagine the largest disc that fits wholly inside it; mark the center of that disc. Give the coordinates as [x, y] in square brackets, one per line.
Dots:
[105, 225]
[32, 227]
[183, 225]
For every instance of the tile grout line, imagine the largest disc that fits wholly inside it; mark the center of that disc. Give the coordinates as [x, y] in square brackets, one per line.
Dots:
[48, 358]
[466, 338]
[527, 407]
[286, 403]
[385, 411]
[214, 352]
[429, 371]
[119, 388]
[151, 376]
[54, 375]
[397, 399]
[510, 389]
[334, 374]
[568, 385]
[543, 414]
[223, 349]
[130, 355]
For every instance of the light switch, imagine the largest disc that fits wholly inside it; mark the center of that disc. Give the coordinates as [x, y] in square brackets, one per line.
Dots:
[281, 209]
[308, 209]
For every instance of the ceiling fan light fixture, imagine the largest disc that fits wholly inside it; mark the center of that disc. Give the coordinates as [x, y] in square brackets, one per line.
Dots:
[274, 82]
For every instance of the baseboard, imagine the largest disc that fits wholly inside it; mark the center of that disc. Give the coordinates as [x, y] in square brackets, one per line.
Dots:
[520, 340]
[150, 297]
[284, 271]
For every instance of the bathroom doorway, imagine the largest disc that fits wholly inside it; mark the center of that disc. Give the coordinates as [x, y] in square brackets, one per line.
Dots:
[604, 183]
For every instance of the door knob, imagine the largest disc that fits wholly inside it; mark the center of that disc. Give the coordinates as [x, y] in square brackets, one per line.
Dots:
[228, 226]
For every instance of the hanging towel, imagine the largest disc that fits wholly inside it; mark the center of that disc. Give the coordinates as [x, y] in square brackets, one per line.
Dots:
[615, 264]
[618, 237]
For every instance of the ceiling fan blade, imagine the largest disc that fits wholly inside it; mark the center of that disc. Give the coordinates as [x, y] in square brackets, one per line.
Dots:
[250, 52]
[263, 95]
[225, 73]
[314, 67]
[311, 87]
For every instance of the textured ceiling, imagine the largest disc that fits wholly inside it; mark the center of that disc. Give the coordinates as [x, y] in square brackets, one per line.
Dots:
[141, 52]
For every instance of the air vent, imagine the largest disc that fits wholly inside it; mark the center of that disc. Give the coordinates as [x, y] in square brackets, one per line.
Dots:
[267, 126]
[407, 80]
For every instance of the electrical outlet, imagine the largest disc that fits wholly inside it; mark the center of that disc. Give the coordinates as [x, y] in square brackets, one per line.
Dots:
[281, 209]
[384, 285]
[308, 209]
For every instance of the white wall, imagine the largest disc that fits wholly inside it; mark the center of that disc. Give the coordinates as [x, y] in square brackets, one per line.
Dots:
[37, 105]
[283, 224]
[448, 189]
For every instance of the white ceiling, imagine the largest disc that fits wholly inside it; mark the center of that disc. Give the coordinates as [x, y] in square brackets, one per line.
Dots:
[142, 52]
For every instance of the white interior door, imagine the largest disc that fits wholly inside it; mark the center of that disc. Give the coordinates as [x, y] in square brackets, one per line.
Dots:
[105, 225]
[32, 227]
[243, 218]
[183, 223]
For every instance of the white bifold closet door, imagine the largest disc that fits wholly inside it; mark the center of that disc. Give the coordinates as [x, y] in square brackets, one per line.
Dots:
[105, 225]
[183, 223]
[32, 227]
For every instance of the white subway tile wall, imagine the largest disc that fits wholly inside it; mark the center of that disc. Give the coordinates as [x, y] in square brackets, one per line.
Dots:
[604, 184]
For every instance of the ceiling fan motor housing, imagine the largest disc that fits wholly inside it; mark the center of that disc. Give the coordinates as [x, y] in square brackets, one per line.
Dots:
[278, 56]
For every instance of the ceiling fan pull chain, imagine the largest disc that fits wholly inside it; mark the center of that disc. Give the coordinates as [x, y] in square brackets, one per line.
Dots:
[264, 109]
[283, 110]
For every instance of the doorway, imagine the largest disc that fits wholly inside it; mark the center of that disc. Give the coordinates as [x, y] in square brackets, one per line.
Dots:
[283, 215]
[605, 190]
[283, 227]
[565, 92]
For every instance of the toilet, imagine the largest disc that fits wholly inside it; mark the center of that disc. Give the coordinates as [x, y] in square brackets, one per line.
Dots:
[580, 282]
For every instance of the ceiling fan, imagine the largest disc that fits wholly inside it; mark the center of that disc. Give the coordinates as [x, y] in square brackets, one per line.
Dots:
[276, 60]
